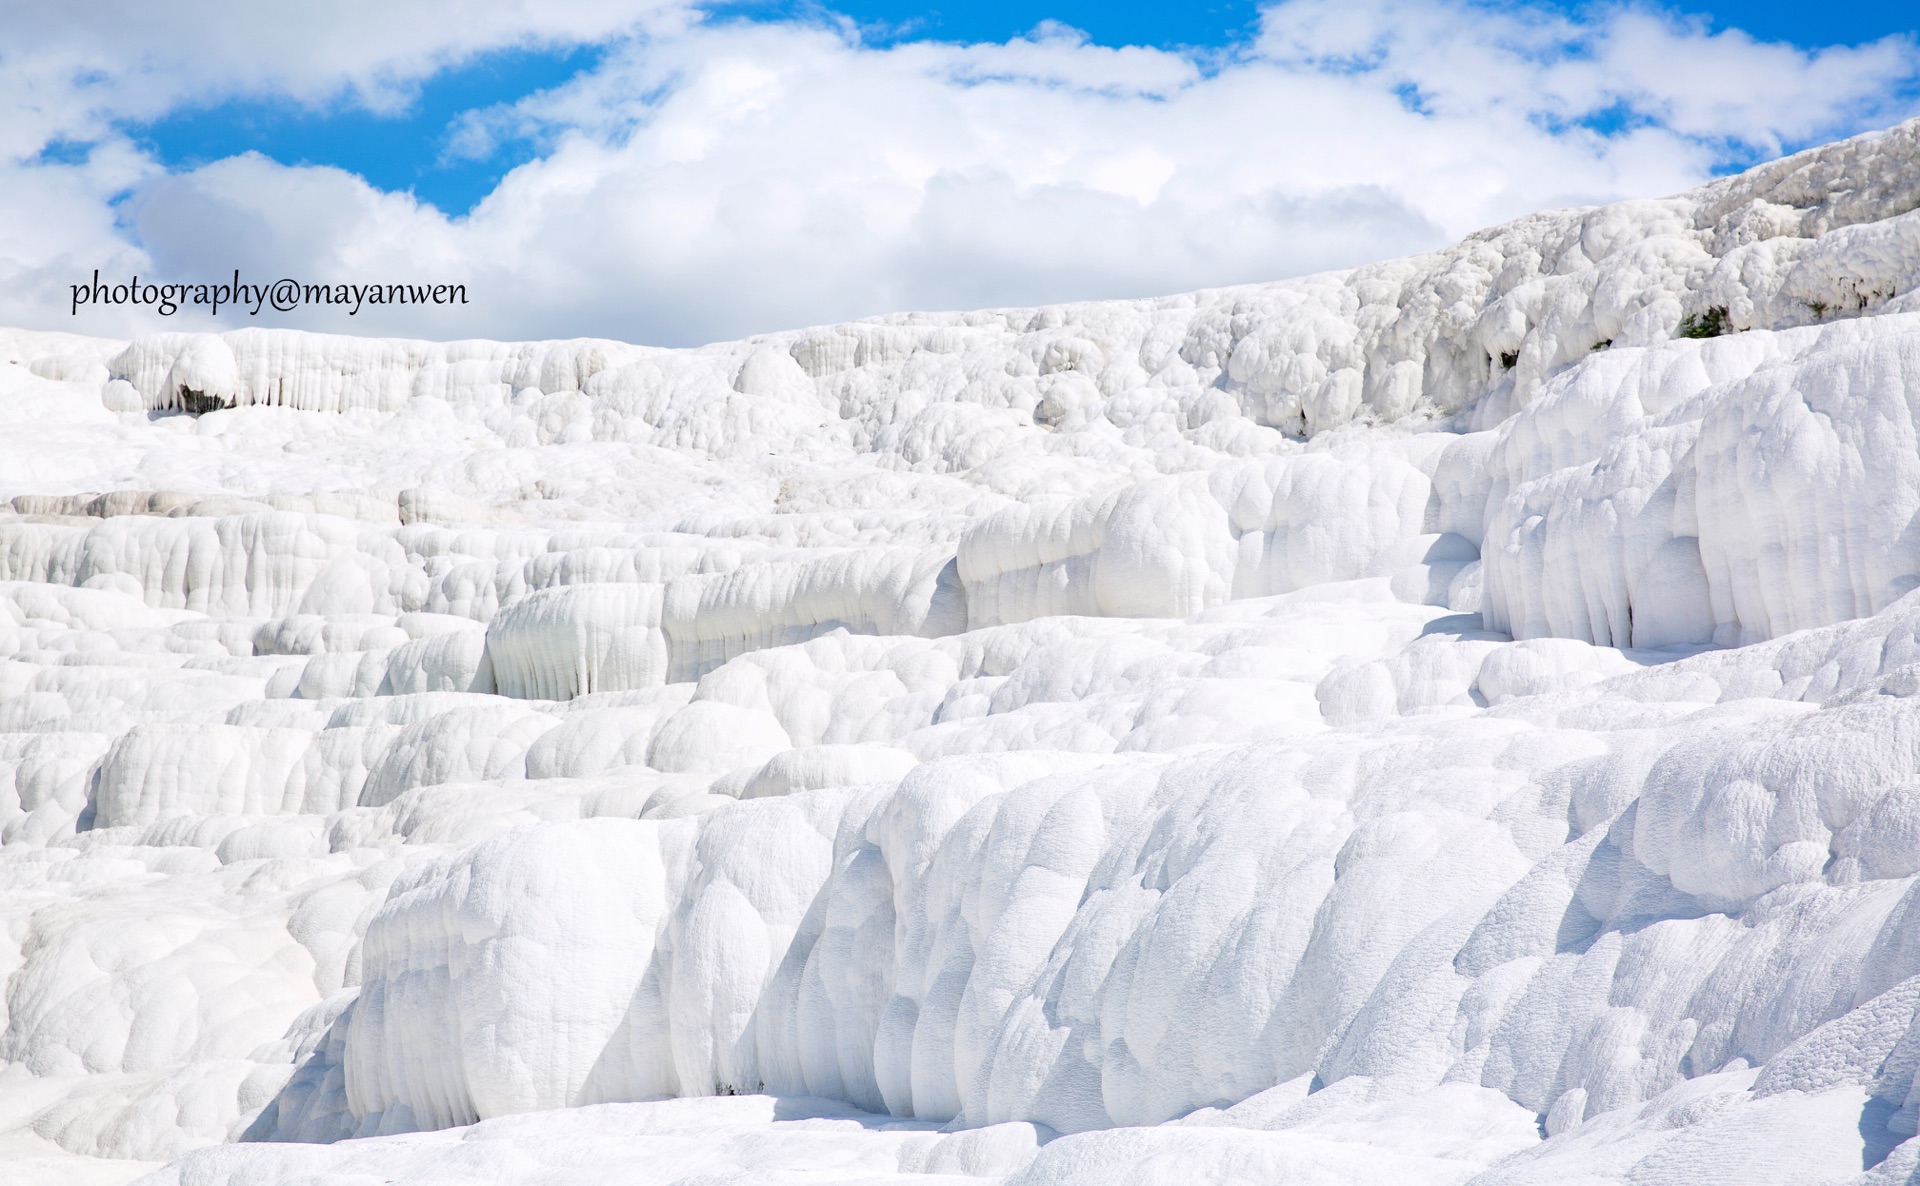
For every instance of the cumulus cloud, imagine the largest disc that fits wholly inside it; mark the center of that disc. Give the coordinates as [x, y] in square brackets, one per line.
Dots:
[104, 59]
[709, 179]
[1725, 89]
[73, 74]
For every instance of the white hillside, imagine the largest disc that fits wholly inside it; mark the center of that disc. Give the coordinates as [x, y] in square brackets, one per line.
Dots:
[1450, 721]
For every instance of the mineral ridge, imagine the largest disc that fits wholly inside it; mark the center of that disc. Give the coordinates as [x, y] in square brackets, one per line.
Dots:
[1451, 721]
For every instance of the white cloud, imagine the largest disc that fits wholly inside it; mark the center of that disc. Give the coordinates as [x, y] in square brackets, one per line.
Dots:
[89, 61]
[71, 72]
[711, 180]
[1476, 60]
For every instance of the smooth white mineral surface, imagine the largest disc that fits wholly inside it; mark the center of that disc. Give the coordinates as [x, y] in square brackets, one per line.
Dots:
[1435, 723]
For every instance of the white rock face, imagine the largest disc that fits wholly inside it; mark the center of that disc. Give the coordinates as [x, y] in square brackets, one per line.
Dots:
[1452, 721]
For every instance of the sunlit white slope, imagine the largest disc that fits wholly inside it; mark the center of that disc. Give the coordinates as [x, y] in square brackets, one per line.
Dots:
[1446, 721]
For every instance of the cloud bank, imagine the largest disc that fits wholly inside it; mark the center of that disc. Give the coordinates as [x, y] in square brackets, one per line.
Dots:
[714, 178]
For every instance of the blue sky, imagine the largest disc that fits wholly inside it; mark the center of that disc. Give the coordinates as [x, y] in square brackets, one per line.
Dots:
[404, 149]
[670, 172]
[408, 149]
[1220, 22]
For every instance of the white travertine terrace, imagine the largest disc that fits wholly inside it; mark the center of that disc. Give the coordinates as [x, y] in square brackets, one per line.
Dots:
[1444, 722]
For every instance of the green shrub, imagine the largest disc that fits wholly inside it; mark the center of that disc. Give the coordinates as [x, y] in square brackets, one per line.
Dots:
[1710, 324]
